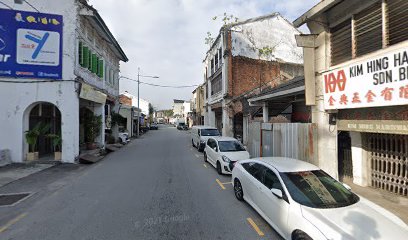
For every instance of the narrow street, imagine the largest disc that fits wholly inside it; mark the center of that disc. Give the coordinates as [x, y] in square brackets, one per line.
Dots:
[157, 187]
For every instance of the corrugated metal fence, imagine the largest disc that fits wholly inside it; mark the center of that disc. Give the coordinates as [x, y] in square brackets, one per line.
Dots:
[294, 140]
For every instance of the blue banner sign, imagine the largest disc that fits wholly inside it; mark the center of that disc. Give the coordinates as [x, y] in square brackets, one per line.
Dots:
[30, 44]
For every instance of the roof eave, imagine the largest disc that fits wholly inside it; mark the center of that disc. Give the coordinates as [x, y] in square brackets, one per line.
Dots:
[317, 9]
[105, 28]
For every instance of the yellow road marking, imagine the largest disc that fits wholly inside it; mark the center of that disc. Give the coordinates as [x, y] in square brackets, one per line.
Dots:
[226, 183]
[205, 166]
[256, 228]
[219, 183]
[11, 222]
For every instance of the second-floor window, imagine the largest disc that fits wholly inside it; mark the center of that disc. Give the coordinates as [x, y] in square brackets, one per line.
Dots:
[382, 24]
[90, 60]
[216, 85]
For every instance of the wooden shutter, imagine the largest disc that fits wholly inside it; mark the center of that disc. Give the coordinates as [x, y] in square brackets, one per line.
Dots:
[340, 39]
[94, 63]
[397, 12]
[80, 54]
[101, 68]
[86, 57]
[368, 30]
[90, 60]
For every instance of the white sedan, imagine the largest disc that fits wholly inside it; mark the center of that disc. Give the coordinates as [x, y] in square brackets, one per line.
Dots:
[223, 152]
[300, 201]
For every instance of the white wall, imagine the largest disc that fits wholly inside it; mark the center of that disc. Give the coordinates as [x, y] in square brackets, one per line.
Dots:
[15, 112]
[18, 98]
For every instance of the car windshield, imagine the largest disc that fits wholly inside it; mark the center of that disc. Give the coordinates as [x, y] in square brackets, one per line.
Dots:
[182, 124]
[210, 132]
[230, 146]
[317, 189]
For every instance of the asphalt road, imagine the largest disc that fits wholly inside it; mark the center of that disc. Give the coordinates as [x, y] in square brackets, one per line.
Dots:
[157, 187]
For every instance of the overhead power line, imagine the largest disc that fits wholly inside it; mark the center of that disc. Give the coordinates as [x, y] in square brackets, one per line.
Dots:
[2, 3]
[158, 85]
[31, 5]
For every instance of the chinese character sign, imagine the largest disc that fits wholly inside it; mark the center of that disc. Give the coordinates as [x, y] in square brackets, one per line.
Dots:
[374, 82]
[30, 44]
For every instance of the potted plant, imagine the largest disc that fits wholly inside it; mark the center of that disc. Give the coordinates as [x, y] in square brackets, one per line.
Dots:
[92, 126]
[32, 138]
[57, 143]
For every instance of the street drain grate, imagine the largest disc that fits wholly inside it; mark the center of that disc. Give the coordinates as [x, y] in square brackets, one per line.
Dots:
[12, 199]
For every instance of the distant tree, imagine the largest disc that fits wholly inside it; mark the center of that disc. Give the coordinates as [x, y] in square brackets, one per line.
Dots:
[151, 111]
[168, 113]
[226, 19]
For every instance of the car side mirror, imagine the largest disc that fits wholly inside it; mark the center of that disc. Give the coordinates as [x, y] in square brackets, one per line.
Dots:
[277, 193]
[347, 186]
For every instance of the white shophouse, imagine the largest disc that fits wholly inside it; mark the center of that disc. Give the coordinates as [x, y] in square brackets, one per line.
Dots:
[355, 80]
[74, 73]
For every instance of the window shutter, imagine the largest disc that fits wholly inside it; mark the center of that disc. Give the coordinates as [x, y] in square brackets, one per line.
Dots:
[397, 21]
[90, 61]
[97, 66]
[86, 57]
[340, 39]
[368, 30]
[80, 54]
[101, 68]
[94, 63]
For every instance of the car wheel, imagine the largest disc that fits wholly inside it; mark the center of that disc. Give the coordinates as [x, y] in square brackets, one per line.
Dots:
[299, 235]
[239, 192]
[219, 170]
[205, 157]
[192, 142]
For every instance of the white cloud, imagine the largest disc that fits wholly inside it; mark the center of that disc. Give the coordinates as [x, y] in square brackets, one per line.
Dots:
[166, 37]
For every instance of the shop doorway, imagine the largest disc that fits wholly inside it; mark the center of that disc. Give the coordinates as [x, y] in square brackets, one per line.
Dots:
[238, 126]
[48, 115]
[218, 119]
[388, 157]
[345, 163]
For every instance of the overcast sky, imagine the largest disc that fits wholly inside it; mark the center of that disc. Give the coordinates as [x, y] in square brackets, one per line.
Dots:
[166, 38]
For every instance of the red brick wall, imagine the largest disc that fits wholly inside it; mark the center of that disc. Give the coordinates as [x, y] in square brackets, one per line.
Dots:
[249, 74]
[125, 100]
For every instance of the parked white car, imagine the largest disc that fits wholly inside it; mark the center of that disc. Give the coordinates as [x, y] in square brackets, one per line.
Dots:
[300, 201]
[200, 135]
[223, 152]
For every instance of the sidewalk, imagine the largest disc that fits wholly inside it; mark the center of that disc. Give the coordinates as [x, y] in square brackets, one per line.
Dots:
[393, 203]
[16, 171]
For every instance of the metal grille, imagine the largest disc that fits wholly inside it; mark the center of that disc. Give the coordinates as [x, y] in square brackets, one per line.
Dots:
[388, 156]
[368, 30]
[340, 39]
[397, 12]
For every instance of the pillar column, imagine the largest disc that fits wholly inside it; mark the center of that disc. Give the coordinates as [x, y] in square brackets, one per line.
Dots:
[265, 112]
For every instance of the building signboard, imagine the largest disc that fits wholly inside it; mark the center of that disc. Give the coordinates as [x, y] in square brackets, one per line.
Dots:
[373, 126]
[89, 93]
[30, 44]
[381, 80]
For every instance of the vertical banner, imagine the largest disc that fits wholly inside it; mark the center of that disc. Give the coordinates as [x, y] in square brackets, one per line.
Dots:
[30, 44]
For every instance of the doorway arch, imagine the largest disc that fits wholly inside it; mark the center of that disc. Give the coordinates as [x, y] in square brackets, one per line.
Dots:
[47, 114]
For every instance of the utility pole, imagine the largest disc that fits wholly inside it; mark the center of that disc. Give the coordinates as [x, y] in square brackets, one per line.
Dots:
[138, 104]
